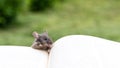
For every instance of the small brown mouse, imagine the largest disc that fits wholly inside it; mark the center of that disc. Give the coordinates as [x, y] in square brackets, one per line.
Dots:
[42, 41]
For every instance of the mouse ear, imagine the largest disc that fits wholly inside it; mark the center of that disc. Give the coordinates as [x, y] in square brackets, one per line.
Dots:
[35, 34]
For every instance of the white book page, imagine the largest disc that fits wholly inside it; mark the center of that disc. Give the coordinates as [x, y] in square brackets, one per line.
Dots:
[79, 51]
[22, 57]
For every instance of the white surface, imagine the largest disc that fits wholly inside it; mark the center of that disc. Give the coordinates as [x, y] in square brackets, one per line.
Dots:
[22, 57]
[79, 51]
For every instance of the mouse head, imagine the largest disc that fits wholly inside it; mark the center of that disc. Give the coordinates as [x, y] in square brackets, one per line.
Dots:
[42, 39]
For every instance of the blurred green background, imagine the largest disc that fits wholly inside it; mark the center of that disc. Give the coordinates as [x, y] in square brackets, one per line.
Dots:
[19, 18]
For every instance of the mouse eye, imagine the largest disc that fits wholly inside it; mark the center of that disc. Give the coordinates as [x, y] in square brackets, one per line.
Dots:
[45, 39]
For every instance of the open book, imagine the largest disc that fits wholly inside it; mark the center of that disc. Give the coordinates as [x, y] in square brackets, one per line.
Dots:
[75, 51]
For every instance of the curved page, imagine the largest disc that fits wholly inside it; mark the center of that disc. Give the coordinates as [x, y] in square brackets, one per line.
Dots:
[79, 51]
[22, 57]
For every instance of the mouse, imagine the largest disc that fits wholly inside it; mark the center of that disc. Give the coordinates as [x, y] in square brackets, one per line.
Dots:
[42, 41]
